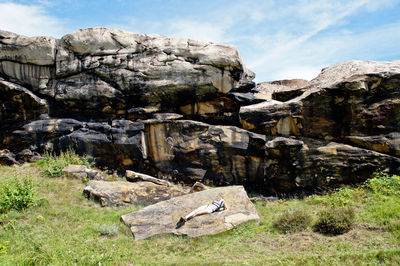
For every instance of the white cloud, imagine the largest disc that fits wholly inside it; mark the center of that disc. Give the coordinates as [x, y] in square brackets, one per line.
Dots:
[317, 18]
[300, 49]
[298, 72]
[29, 20]
[277, 39]
[307, 59]
[196, 30]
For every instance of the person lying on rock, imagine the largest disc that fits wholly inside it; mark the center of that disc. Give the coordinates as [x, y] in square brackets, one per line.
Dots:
[216, 205]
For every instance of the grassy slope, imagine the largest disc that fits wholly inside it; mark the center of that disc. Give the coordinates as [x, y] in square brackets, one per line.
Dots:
[64, 230]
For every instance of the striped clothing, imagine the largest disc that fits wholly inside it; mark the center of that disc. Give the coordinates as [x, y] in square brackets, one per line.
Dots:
[216, 205]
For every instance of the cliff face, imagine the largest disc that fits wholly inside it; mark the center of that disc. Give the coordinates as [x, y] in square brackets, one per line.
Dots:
[189, 110]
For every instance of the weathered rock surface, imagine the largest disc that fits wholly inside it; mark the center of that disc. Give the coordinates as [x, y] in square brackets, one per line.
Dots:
[174, 108]
[162, 218]
[280, 90]
[184, 149]
[198, 151]
[102, 72]
[198, 186]
[82, 172]
[7, 158]
[18, 104]
[119, 193]
[336, 106]
[130, 70]
[311, 164]
[132, 176]
[28, 156]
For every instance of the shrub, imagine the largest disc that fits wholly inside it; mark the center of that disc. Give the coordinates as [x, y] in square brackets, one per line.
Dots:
[383, 183]
[335, 221]
[107, 229]
[53, 164]
[16, 193]
[292, 221]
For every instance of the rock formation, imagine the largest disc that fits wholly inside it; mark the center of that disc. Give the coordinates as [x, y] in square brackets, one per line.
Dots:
[82, 172]
[352, 103]
[189, 111]
[132, 176]
[120, 193]
[162, 218]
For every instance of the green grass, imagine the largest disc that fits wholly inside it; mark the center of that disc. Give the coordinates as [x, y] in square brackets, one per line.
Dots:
[16, 193]
[66, 229]
[52, 165]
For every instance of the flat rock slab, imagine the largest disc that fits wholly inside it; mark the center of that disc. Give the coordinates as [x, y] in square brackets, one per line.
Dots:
[121, 193]
[162, 218]
[82, 172]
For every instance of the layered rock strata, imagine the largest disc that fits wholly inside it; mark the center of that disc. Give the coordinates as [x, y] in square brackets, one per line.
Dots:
[188, 111]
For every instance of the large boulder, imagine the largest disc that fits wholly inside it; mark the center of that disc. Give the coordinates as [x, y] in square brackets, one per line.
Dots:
[349, 100]
[28, 61]
[7, 158]
[196, 151]
[182, 150]
[100, 72]
[82, 172]
[315, 165]
[280, 90]
[120, 144]
[17, 104]
[120, 193]
[162, 218]
[131, 70]
[173, 108]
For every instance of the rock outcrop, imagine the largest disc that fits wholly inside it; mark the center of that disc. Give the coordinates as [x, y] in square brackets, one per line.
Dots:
[120, 193]
[189, 111]
[335, 105]
[162, 218]
[132, 176]
[317, 164]
[352, 103]
[7, 158]
[82, 172]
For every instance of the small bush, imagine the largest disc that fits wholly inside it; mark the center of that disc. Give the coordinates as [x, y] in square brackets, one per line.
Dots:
[292, 221]
[52, 165]
[107, 229]
[383, 183]
[16, 194]
[335, 221]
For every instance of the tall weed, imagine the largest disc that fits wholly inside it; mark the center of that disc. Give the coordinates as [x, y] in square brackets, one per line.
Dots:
[52, 164]
[383, 183]
[16, 193]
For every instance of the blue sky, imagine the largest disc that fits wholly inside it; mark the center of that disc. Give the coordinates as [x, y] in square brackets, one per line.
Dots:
[278, 39]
